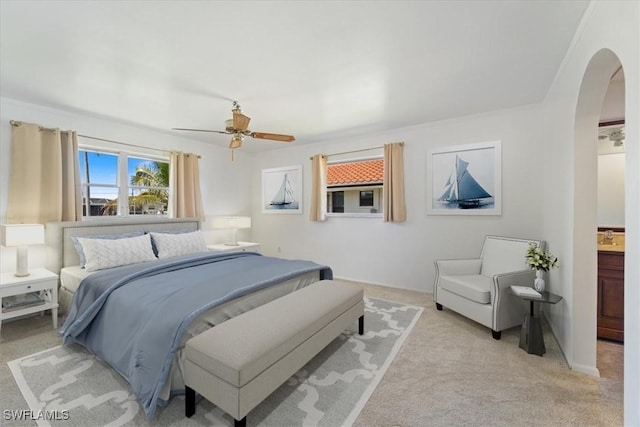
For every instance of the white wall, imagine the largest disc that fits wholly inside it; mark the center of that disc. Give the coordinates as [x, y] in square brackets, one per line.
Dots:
[611, 190]
[402, 254]
[224, 183]
[352, 200]
[613, 106]
[570, 153]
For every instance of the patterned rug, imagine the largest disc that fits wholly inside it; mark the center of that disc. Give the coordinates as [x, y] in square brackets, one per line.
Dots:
[67, 386]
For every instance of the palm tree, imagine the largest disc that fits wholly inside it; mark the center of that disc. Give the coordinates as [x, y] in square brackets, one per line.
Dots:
[154, 175]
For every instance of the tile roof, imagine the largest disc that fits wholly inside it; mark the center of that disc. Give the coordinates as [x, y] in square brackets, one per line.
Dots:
[365, 172]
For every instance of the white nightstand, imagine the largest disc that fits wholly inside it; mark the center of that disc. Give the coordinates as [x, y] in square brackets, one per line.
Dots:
[40, 280]
[242, 247]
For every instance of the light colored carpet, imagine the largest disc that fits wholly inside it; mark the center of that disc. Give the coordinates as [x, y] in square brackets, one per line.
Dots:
[76, 389]
[448, 372]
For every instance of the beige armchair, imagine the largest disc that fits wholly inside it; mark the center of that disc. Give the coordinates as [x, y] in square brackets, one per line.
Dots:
[479, 288]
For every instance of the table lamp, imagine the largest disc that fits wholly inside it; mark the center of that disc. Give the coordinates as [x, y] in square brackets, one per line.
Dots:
[232, 223]
[20, 236]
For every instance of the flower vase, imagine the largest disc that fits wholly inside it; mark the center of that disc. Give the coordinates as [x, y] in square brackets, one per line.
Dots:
[538, 283]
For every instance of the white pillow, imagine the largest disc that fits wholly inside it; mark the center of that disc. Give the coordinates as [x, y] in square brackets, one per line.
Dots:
[107, 253]
[78, 246]
[169, 245]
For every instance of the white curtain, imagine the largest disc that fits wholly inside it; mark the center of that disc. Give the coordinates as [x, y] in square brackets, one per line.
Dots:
[393, 194]
[44, 182]
[318, 188]
[186, 197]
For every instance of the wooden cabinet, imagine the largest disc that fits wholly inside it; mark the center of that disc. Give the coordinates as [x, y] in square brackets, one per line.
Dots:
[611, 295]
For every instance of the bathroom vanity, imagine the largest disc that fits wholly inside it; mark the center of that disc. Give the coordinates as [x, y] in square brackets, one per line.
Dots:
[611, 285]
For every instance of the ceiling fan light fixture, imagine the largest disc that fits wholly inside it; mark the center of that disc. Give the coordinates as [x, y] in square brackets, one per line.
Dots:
[236, 141]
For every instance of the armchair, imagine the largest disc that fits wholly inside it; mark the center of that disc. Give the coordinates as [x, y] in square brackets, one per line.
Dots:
[479, 288]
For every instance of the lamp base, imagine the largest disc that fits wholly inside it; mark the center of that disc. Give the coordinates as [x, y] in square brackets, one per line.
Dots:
[234, 238]
[22, 261]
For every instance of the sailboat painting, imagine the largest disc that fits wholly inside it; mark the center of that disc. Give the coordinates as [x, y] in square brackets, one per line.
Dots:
[282, 190]
[465, 180]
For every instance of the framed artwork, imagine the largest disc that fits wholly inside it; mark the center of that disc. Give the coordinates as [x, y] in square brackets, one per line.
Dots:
[282, 190]
[465, 180]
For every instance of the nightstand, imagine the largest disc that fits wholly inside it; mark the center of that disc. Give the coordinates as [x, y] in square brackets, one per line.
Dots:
[242, 247]
[40, 281]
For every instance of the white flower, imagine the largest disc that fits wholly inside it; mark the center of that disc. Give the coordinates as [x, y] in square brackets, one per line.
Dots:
[537, 259]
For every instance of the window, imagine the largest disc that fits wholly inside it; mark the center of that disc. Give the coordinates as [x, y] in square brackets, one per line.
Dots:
[99, 177]
[366, 198]
[354, 186]
[122, 184]
[148, 186]
[336, 201]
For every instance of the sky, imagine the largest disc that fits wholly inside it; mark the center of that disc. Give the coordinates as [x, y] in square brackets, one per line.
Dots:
[103, 169]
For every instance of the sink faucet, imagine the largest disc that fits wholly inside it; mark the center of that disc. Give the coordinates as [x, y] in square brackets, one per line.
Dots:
[607, 237]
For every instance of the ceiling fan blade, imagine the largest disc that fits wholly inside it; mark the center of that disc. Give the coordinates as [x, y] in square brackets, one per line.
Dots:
[240, 121]
[203, 130]
[272, 136]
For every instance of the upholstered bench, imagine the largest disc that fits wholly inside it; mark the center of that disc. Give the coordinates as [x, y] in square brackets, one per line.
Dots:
[237, 364]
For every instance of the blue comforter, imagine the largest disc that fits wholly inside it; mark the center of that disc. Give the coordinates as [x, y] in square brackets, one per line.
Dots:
[133, 317]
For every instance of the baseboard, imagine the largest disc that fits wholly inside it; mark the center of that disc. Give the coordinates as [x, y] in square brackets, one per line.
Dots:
[386, 285]
[589, 370]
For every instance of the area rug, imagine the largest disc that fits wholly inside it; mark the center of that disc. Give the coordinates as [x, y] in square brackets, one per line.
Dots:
[68, 386]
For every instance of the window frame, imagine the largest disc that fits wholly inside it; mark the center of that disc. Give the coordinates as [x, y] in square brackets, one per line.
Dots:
[122, 180]
[356, 214]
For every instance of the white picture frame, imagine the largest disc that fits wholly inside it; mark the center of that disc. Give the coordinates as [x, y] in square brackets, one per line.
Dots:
[282, 190]
[465, 180]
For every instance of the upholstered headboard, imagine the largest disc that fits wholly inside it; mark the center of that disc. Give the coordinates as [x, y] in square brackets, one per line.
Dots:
[62, 253]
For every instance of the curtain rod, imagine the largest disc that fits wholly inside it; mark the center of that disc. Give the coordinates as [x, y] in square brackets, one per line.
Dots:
[18, 123]
[355, 151]
[127, 144]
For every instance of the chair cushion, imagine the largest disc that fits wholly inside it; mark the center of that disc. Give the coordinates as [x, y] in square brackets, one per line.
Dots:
[475, 287]
[503, 255]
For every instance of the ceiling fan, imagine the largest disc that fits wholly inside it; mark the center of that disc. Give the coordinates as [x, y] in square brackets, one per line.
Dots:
[615, 135]
[238, 127]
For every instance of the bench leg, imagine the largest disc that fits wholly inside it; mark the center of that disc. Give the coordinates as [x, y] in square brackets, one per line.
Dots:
[361, 325]
[189, 401]
[240, 423]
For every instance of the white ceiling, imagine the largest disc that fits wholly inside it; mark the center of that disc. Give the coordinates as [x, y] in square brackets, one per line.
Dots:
[312, 69]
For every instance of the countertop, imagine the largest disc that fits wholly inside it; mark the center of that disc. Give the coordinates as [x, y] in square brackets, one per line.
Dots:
[613, 244]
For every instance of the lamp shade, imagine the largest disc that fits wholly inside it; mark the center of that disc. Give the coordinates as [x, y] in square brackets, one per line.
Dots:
[232, 222]
[22, 234]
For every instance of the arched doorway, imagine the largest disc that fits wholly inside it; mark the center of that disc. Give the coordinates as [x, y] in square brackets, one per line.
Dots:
[595, 83]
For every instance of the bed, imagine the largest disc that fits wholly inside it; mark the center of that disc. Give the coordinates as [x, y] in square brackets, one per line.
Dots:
[62, 256]
[76, 282]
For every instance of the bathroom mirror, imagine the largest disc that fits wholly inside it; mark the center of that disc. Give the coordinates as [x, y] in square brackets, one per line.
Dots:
[611, 163]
